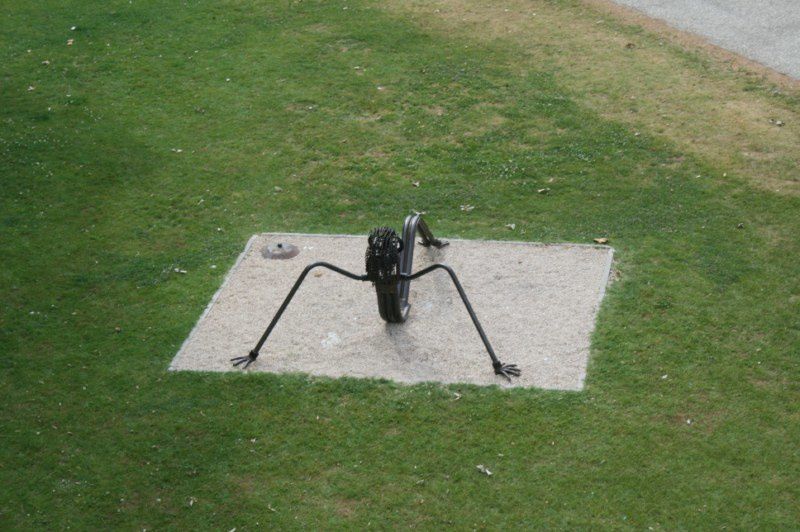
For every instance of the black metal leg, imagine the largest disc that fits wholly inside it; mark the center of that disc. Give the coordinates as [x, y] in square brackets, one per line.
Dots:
[388, 263]
[253, 355]
[415, 220]
[506, 370]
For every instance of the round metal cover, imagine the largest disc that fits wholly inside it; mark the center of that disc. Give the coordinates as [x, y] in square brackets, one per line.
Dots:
[280, 251]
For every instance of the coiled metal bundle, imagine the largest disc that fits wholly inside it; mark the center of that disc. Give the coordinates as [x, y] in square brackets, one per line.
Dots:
[383, 256]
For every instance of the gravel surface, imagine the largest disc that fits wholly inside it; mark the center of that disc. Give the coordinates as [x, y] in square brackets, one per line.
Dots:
[766, 31]
[536, 302]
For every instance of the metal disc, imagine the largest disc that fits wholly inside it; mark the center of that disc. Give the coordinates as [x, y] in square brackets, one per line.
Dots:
[280, 251]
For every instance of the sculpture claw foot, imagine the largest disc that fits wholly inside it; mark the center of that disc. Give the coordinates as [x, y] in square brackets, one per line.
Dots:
[246, 360]
[507, 370]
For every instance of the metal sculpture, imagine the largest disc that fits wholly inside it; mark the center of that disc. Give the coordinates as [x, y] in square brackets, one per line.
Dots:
[389, 259]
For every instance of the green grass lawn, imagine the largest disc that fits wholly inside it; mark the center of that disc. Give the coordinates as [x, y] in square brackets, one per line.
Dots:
[167, 133]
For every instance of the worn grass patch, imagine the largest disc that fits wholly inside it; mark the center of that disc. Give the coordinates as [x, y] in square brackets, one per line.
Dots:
[165, 134]
[712, 109]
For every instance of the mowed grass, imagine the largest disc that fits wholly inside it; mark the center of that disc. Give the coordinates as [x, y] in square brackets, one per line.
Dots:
[156, 141]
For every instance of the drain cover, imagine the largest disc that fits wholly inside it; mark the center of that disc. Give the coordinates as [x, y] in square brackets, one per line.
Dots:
[280, 251]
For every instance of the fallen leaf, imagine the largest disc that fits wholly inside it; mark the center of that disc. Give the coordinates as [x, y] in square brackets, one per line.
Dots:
[70, 41]
[543, 190]
[511, 226]
[483, 469]
[415, 184]
[602, 240]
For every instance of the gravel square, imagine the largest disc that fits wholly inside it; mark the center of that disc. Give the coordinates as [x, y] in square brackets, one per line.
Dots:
[536, 302]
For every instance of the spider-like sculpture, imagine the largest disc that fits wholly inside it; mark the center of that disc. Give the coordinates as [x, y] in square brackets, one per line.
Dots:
[388, 263]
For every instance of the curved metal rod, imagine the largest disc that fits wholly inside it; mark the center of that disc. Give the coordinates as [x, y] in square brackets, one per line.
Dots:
[394, 307]
[250, 358]
[506, 370]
